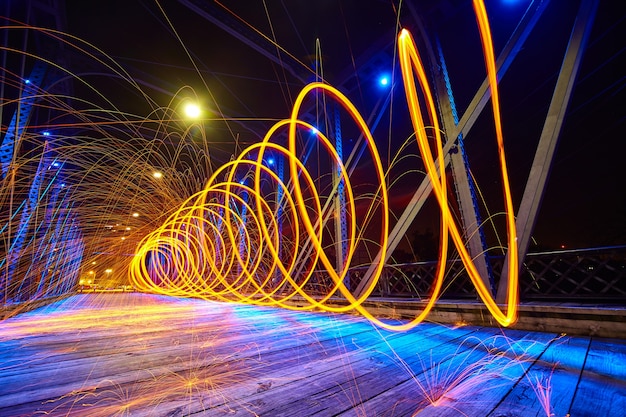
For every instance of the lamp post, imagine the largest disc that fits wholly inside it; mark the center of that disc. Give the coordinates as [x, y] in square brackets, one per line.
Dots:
[92, 273]
[108, 272]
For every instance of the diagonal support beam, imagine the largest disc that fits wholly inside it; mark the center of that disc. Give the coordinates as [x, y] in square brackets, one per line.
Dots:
[535, 186]
[465, 193]
[478, 103]
[215, 14]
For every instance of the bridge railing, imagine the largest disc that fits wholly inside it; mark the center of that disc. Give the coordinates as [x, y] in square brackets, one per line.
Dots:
[582, 276]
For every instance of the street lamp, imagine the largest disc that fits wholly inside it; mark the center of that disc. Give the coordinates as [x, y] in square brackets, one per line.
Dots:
[108, 281]
[192, 110]
[93, 279]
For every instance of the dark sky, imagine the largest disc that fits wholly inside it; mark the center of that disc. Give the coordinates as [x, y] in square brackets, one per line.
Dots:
[585, 200]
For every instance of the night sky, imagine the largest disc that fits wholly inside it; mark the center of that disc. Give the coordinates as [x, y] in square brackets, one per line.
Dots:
[585, 200]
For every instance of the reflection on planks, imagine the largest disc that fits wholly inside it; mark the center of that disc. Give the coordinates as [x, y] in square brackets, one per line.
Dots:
[138, 354]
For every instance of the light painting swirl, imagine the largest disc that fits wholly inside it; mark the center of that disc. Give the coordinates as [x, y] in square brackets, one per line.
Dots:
[226, 242]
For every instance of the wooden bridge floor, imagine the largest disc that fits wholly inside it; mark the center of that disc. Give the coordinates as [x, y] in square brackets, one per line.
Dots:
[138, 354]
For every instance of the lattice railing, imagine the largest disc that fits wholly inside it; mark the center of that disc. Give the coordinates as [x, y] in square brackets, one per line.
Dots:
[586, 275]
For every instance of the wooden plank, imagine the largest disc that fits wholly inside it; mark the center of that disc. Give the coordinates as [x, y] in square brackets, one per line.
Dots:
[292, 384]
[298, 326]
[602, 388]
[468, 382]
[331, 390]
[138, 354]
[89, 370]
[547, 389]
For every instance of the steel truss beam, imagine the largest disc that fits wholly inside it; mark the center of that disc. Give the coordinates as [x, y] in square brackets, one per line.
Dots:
[536, 184]
[476, 106]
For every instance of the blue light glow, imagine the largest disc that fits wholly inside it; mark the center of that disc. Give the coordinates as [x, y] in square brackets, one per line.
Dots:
[270, 161]
[384, 80]
[46, 133]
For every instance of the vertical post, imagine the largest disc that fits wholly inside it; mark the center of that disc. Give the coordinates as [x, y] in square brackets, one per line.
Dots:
[280, 165]
[242, 231]
[19, 121]
[341, 228]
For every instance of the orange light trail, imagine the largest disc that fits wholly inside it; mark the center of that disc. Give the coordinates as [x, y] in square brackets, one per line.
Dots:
[224, 242]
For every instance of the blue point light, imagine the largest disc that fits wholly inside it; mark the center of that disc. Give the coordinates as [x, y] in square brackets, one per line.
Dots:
[314, 131]
[46, 133]
[55, 164]
[270, 161]
[27, 81]
[384, 80]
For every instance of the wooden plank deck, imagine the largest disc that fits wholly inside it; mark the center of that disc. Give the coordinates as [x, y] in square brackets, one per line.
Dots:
[148, 355]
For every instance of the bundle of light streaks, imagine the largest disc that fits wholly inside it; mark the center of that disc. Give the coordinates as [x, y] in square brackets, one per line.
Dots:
[225, 242]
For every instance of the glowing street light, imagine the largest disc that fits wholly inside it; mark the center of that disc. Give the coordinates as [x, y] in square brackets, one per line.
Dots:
[135, 214]
[192, 110]
[157, 175]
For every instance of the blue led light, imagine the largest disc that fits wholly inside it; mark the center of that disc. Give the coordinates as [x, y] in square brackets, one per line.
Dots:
[46, 133]
[270, 161]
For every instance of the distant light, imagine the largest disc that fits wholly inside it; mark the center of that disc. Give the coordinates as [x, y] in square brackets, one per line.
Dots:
[108, 271]
[127, 228]
[55, 164]
[135, 214]
[242, 182]
[157, 174]
[123, 238]
[46, 133]
[27, 81]
[314, 131]
[384, 80]
[62, 185]
[270, 161]
[192, 110]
